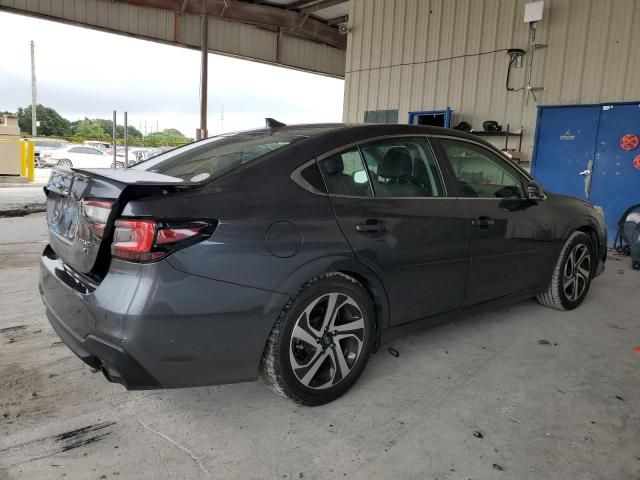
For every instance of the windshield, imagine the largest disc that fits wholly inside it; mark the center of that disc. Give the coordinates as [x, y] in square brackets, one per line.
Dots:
[200, 161]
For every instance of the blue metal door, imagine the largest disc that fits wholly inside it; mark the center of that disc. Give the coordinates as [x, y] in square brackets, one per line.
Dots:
[615, 182]
[565, 148]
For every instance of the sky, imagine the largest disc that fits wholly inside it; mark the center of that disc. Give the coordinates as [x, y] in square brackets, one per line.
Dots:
[85, 73]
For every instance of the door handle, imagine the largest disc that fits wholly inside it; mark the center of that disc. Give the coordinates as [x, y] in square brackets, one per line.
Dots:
[483, 222]
[371, 226]
[585, 172]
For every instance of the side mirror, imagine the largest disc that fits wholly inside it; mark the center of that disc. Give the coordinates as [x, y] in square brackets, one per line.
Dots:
[534, 191]
[360, 176]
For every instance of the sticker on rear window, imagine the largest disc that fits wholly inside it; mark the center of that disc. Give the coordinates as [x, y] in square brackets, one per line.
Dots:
[201, 177]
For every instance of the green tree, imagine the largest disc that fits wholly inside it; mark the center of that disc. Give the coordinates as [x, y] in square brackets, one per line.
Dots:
[51, 122]
[173, 132]
[168, 136]
[89, 128]
[107, 126]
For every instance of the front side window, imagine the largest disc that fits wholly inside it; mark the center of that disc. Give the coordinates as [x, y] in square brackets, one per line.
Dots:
[344, 174]
[403, 167]
[480, 172]
[76, 150]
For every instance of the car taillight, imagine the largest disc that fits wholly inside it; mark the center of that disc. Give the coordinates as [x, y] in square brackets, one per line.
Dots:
[97, 212]
[144, 240]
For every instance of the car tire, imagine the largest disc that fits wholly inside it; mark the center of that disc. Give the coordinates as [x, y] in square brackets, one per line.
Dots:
[572, 274]
[65, 163]
[119, 165]
[312, 365]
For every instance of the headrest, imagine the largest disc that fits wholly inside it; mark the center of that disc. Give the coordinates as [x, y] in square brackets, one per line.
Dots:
[396, 163]
[334, 165]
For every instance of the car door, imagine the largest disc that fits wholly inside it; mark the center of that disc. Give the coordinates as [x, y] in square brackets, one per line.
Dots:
[74, 154]
[512, 238]
[90, 157]
[394, 211]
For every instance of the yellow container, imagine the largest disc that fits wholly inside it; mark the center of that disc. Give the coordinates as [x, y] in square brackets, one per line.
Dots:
[23, 158]
[31, 161]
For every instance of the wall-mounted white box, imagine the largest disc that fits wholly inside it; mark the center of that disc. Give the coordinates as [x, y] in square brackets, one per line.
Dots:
[533, 11]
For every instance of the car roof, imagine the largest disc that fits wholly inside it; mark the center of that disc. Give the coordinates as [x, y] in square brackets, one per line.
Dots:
[48, 139]
[370, 129]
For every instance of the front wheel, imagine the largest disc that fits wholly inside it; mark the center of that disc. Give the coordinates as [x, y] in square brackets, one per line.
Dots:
[572, 274]
[321, 341]
[119, 165]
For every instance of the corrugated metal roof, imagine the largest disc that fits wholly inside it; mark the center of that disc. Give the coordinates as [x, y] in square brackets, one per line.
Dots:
[281, 32]
[320, 12]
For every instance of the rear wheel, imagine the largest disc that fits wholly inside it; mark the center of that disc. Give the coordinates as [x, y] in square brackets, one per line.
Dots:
[572, 274]
[321, 341]
[119, 165]
[65, 163]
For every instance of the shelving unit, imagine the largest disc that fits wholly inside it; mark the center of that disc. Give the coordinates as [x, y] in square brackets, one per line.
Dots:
[506, 133]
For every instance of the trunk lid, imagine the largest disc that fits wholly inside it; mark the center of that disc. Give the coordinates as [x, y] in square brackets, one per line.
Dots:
[72, 231]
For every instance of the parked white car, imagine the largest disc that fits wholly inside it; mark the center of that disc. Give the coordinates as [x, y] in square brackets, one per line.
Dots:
[79, 156]
[97, 144]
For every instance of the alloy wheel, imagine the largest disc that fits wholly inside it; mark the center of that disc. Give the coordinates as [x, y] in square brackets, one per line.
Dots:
[577, 270]
[327, 340]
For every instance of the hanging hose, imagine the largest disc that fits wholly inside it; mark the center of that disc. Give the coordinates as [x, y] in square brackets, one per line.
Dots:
[622, 242]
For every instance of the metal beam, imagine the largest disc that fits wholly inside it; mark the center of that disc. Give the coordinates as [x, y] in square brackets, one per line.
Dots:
[254, 14]
[338, 20]
[319, 6]
[298, 4]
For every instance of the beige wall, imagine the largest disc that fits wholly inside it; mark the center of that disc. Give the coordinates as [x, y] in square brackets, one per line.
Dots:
[400, 53]
[9, 145]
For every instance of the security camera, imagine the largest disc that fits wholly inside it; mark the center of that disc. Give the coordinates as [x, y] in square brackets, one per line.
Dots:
[343, 28]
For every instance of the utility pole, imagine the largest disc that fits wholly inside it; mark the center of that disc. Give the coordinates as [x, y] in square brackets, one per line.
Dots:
[34, 101]
[204, 67]
[222, 119]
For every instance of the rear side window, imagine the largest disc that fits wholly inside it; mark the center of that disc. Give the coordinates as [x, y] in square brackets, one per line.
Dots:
[313, 177]
[344, 174]
[403, 167]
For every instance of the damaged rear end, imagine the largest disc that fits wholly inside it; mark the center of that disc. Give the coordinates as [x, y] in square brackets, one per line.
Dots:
[96, 258]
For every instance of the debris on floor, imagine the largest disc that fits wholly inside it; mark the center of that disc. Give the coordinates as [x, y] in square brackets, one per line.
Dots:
[394, 352]
[478, 434]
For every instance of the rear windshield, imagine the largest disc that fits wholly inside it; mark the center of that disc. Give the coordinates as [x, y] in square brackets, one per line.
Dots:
[210, 158]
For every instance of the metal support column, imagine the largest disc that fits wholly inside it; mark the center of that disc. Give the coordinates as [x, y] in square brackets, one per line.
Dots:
[204, 66]
[34, 96]
[126, 142]
[114, 139]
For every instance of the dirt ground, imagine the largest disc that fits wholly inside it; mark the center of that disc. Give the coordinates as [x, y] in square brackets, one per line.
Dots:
[517, 393]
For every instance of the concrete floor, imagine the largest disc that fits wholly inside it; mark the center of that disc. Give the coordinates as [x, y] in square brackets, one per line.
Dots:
[569, 409]
[19, 196]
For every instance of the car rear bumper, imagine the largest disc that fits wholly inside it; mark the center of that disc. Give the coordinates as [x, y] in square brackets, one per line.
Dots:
[151, 326]
[114, 362]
